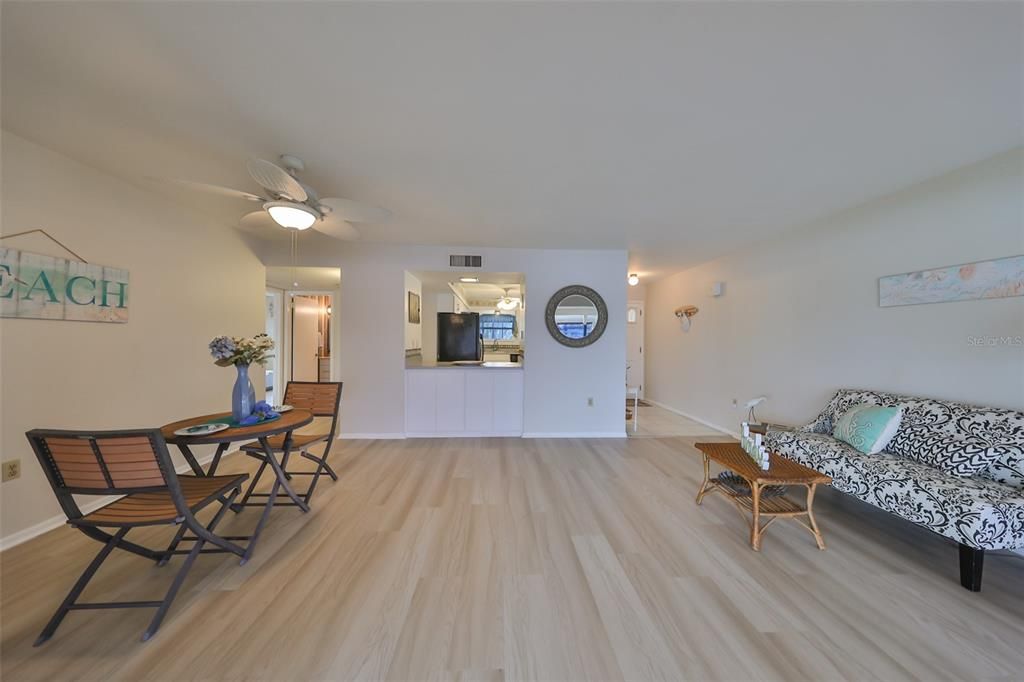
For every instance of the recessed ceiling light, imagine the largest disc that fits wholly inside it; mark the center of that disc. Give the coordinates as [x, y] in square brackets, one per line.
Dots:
[633, 279]
[469, 280]
[291, 214]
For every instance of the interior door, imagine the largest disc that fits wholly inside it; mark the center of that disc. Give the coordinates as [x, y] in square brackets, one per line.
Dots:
[305, 338]
[635, 345]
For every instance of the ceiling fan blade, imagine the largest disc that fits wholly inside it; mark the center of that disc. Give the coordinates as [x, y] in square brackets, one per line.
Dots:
[337, 228]
[275, 178]
[354, 211]
[212, 189]
[259, 223]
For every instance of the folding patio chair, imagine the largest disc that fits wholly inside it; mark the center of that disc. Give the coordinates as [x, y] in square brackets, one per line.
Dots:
[320, 398]
[137, 465]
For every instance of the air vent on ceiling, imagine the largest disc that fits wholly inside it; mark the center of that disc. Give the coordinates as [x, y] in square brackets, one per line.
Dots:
[466, 261]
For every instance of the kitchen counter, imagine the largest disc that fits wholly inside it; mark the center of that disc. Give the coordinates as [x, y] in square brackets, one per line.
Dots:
[416, 362]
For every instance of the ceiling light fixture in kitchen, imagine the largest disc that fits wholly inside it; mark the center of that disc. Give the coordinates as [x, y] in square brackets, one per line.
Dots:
[507, 303]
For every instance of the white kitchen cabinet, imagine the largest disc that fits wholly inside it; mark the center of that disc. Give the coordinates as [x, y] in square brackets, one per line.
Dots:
[480, 401]
[508, 402]
[451, 401]
[446, 401]
[420, 402]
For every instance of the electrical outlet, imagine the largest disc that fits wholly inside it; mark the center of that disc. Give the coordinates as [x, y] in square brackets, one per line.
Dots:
[590, 402]
[11, 469]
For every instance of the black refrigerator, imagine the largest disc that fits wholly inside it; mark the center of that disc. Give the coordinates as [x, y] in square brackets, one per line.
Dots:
[458, 337]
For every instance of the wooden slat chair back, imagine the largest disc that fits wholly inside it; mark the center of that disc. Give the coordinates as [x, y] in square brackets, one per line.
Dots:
[136, 465]
[323, 399]
[320, 398]
[103, 465]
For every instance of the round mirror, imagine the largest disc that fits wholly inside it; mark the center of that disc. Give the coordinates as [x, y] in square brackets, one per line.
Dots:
[576, 316]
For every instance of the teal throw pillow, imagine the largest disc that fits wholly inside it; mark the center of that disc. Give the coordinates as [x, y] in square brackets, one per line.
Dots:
[868, 428]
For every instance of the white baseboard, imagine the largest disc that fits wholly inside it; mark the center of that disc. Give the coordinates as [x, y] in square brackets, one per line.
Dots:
[371, 436]
[49, 524]
[575, 434]
[716, 427]
[464, 434]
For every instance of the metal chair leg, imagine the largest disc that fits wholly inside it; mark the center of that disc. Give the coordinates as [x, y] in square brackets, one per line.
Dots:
[323, 462]
[320, 467]
[100, 536]
[76, 591]
[262, 522]
[279, 471]
[161, 611]
[169, 552]
[284, 464]
[252, 487]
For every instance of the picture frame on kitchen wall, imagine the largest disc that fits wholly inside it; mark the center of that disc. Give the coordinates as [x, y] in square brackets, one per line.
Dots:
[414, 308]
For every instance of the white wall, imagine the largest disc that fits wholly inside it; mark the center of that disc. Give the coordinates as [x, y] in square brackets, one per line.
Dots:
[432, 305]
[800, 315]
[413, 332]
[190, 281]
[558, 380]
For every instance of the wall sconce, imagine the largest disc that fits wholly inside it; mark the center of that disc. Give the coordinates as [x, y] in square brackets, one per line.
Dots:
[684, 313]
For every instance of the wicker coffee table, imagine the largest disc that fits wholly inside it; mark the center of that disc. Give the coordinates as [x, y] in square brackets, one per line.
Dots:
[781, 472]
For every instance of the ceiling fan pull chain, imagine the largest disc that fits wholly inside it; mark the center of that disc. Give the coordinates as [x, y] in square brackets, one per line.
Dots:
[295, 255]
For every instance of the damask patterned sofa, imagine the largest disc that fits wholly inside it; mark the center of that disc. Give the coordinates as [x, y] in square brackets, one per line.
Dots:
[983, 511]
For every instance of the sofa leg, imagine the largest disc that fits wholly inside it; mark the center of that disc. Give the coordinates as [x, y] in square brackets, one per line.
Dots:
[971, 563]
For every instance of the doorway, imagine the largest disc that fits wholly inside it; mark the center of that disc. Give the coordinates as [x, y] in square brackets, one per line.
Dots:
[301, 320]
[275, 330]
[635, 346]
[311, 337]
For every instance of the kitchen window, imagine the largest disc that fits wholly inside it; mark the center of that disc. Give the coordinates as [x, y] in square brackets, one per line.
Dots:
[575, 330]
[498, 327]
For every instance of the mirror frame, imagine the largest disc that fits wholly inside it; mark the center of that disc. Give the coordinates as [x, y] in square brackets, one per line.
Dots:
[576, 290]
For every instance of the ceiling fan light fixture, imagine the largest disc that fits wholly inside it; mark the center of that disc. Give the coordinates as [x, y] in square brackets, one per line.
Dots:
[507, 304]
[290, 214]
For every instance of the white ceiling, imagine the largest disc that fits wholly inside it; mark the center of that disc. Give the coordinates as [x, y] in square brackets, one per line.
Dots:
[677, 130]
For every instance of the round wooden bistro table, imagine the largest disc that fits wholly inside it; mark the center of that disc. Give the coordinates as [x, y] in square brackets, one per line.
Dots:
[285, 424]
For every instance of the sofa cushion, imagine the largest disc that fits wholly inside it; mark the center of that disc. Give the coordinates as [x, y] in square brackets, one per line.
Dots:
[868, 428]
[954, 455]
[975, 511]
[999, 428]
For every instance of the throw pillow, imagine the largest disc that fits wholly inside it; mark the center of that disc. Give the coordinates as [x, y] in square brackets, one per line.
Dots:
[868, 428]
[956, 456]
[1007, 465]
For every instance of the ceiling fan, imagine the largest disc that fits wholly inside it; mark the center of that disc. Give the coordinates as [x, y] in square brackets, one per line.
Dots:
[507, 303]
[292, 204]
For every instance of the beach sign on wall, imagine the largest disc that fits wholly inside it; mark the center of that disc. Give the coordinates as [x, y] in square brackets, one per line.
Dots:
[997, 278]
[44, 287]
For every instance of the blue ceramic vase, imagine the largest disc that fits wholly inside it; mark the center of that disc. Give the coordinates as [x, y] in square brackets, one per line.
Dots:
[243, 397]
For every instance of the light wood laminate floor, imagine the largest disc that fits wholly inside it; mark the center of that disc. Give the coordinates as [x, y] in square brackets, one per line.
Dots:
[657, 422]
[527, 559]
